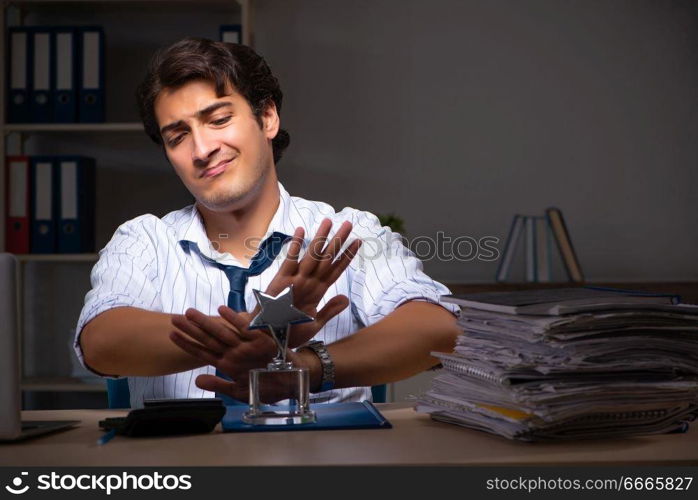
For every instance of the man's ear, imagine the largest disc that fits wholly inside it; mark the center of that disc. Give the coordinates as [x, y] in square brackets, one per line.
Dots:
[270, 120]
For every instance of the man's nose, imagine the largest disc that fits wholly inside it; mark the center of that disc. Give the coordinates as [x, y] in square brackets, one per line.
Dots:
[205, 147]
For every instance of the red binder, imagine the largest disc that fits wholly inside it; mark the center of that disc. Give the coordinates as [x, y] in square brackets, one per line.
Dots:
[17, 204]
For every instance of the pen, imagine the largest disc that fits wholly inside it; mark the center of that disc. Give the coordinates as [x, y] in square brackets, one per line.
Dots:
[107, 437]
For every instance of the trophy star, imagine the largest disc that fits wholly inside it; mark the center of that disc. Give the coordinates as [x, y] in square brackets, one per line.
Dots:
[278, 312]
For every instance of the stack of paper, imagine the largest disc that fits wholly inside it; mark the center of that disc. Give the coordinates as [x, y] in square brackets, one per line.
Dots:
[569, 363]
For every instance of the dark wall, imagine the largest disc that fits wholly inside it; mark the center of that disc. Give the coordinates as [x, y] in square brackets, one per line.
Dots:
[458, 114]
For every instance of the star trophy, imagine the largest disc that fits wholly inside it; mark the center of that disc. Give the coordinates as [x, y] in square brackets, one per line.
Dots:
[288, 382]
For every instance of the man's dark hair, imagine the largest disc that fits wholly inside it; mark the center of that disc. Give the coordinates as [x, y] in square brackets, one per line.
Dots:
[222, 64]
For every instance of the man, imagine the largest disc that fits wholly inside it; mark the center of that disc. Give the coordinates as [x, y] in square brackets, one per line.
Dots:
[172, 297]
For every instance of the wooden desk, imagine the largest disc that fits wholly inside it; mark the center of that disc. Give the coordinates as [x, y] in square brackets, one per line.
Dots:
[414, 440]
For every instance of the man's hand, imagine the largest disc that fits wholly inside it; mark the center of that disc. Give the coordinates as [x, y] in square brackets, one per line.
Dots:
[313, 275]
[226, 343]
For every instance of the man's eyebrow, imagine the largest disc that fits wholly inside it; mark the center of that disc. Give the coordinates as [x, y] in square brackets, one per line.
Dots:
[201, 113]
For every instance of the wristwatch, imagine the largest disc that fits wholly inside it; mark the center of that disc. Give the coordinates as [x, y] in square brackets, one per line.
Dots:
[327, 382]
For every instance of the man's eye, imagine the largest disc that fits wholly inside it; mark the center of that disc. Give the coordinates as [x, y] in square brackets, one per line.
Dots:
[175, 140]
[221, 121]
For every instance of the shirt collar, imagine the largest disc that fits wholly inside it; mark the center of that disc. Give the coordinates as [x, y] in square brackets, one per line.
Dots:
[192, 233]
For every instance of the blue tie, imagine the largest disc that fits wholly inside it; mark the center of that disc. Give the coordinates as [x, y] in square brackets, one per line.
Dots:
[237, 276]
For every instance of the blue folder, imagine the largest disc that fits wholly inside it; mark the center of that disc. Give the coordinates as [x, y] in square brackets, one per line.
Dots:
[43, 206]
[19, 77]
[75, 194]
[91, 74]
[330, 416]
[64, 75]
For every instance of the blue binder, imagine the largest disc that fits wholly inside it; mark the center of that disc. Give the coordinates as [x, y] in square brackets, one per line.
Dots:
[75, 194]
[91, 74]
[18, 74]
[330, 416]
[41, 91]
[231, 33]
[43, 227]
[64, 78]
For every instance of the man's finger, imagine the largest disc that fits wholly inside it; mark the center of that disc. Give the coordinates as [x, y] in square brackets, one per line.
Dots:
[332, 308]
[239, 321]
[290, 264]
[212, 326]
[343, 261]
[217, 384]
[314, 254]
[194, 349]
[335, 245]
[193, 330]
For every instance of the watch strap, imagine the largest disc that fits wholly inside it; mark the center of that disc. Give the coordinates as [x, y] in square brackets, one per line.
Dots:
[319, 348]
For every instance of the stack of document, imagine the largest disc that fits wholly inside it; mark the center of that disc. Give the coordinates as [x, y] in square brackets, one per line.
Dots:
[569, 363]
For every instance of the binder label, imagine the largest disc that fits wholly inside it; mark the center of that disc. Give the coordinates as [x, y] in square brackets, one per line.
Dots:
[69, 195]
[231, 37]
[42, 204]
[19, 60]
[91, 61]
[64, 66]
[18, 189]
[41, 61]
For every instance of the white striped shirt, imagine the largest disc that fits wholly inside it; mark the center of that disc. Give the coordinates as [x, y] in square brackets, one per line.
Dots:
[148, 265]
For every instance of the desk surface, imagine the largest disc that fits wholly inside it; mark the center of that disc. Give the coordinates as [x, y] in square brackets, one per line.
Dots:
[415, 439]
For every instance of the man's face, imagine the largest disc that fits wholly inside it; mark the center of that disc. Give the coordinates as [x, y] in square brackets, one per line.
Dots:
[216, 144]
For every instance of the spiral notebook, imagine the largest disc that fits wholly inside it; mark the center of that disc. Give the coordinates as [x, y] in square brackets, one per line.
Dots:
[330, 416]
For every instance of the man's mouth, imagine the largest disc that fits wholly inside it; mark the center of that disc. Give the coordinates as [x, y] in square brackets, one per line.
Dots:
[216, 169]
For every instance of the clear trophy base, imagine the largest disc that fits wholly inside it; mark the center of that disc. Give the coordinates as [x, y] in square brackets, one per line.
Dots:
[290, 404]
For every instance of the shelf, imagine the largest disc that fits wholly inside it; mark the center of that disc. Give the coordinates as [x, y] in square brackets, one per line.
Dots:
[66, 257]
[72, 127]
[134, 30]
[62, 384]
[35, 2]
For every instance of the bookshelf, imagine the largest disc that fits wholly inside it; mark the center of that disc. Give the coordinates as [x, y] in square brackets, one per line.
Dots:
[72, 127]
[133, 176]
[74, 257]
